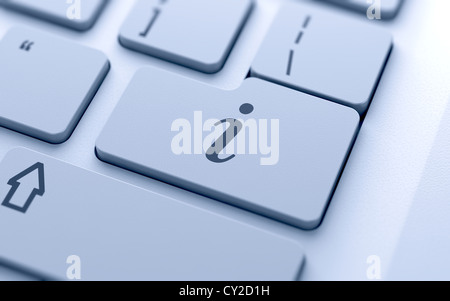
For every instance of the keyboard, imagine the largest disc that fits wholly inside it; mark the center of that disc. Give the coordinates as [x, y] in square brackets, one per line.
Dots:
[272, 143]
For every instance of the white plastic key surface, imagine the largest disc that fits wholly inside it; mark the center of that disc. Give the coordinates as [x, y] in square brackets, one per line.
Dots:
[85, 225]
[324, 54]
[285, 162]
[198, 34]
[382, 9]
[46, 83]
[76, 14]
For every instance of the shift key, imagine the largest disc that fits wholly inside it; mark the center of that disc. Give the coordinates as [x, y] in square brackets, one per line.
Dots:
[64, 222]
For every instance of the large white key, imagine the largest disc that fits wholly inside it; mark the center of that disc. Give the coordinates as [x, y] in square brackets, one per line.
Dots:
[55, 218]
[284, 149]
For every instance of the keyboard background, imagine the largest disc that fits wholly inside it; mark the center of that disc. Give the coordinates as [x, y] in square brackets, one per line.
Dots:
[378, 185]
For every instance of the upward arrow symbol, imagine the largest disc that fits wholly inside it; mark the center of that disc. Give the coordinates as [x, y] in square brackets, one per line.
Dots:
[26, 191]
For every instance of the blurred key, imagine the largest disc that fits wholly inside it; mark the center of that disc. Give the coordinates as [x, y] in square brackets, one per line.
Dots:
[46, 83]
[76, 14]
[324, 54]
[198, 34]
[374, 9]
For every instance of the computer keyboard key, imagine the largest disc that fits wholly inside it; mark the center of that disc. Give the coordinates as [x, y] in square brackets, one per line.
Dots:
[46, 83]
[76, 14]
[198, 34]
[373, 9]
[93, 227]
[324, 54]
[284, 150]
